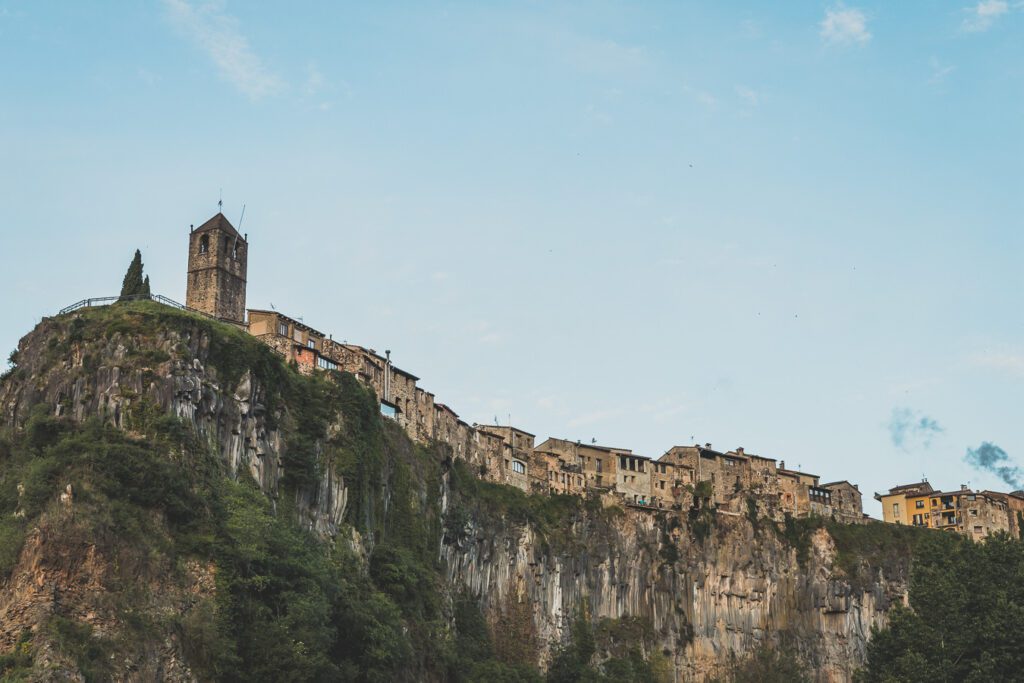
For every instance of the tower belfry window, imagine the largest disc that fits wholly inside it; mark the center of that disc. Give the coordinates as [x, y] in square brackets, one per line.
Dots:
[204, 244]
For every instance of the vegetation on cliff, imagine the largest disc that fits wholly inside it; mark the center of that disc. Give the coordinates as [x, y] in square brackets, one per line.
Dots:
[963, 623]
[182, 554]
[184, 550]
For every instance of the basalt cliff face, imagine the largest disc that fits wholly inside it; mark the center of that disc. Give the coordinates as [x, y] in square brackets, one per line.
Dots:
[90, 593]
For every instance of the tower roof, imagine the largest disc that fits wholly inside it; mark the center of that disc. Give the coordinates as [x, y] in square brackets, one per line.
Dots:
[220, 222]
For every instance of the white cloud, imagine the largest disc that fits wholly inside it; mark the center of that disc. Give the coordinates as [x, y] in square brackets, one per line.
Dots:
[939, 71]
[314, 80]
[1009, 363]
[748, 95]
[984, 14]
[216, 33]
[845, 26]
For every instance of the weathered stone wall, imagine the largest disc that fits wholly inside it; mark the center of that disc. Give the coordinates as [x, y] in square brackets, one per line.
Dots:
[217, 263]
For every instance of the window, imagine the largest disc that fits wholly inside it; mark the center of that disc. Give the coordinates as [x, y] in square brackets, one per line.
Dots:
[977, 529]
[974, 513]
[326, 363]
[895, 509]
[282, 329]
[388, 410]
[622, 462]
[919, 504]
[518, 467]
[598, 464]
[204, 244]
[311, 343]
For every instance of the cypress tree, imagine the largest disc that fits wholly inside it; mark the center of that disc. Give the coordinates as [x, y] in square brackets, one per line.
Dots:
[145, 288]
[133, 282]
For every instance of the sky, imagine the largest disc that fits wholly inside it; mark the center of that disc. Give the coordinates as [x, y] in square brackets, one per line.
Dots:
[793, 227]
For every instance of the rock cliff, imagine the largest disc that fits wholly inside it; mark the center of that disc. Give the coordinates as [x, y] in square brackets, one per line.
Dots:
[697, 591]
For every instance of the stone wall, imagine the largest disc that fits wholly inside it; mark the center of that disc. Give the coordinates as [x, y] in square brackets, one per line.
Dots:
[217, 263]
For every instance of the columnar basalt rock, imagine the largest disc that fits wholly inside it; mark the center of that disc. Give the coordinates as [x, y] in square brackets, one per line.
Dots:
[707, 597]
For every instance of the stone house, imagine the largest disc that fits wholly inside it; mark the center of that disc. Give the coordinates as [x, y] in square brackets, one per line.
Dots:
[847, 505]
[728, 473]
[800, 495]
[1014, 503]
[597, 463]
[517, 447]
[562, 475]
[664, 484]
[633, 478]
[763, 478]
[291, 338]
[983, 514]
[483, 451]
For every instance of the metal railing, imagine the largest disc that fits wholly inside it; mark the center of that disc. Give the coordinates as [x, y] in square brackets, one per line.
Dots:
[108, 300]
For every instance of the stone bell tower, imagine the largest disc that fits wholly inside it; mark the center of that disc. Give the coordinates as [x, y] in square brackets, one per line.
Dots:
[217, 259]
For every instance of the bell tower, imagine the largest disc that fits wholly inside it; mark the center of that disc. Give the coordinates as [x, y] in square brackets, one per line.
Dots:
[217, 260]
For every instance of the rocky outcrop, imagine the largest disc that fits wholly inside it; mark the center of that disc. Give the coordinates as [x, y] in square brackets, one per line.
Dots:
[707, 600]
[722, 598]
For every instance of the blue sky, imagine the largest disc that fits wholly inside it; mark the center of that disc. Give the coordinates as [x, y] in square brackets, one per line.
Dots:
[794, 228]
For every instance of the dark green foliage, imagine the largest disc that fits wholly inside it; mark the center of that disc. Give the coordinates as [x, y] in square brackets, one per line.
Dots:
[474, 659]
[16, 665]
[862, 550]
[88, 651]
[551, 516]
[668, 550]
[966, 606]
[620, 640]
[133, 284]
[701, 514]
[797, 533]
[145, 290]
[12, 362]
[573, 661]
[767, 665]
[287, 605]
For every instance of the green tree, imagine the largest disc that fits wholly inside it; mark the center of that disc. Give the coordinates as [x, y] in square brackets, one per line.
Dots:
[963, 624]
[767, 665]
[133, 283]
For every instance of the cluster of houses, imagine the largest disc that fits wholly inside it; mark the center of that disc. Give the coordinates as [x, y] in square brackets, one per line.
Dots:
[509, 455]
[731, 481]
[975, 514]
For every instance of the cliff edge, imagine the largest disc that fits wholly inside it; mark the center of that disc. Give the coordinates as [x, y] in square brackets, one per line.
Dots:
[177, 503]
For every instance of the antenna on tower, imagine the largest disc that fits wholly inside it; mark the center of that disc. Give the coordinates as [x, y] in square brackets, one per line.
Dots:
[241, 219]
[220, 200]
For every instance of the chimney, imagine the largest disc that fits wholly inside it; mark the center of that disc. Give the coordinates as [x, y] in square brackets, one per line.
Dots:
[963, 487]
[782, 464]
[739, 450]
[707, 446]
